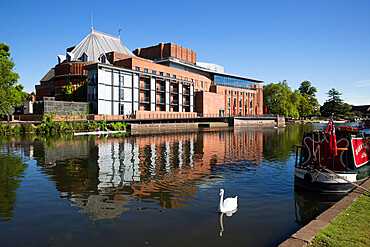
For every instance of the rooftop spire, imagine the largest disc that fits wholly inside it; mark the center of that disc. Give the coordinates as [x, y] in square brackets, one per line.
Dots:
[92, 22]
[119, 32]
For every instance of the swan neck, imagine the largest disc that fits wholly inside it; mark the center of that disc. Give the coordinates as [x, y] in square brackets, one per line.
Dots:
[221, 201]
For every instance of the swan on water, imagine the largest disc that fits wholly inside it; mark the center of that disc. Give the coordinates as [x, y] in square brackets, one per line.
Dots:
[227, 205]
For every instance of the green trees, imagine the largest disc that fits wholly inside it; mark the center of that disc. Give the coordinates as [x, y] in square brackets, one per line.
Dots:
[11, 95]
[279, 99]
[335, 105]
[309, 93]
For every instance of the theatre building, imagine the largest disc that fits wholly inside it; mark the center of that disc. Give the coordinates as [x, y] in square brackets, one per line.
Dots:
[161, 80]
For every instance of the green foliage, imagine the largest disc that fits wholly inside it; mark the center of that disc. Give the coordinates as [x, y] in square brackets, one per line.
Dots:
[11, 172]
[10, 95]
[350, 228]
[335, 105]
[67, 92]
[117, 126]
[78, 95]
[47, 124]
[16, 129]
[309, 93]
[279, 99]
[27, 127]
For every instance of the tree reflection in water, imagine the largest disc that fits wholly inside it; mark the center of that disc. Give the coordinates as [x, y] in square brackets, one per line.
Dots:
[12, 170]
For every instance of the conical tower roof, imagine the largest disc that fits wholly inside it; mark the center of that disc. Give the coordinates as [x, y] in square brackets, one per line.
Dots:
[96, 44]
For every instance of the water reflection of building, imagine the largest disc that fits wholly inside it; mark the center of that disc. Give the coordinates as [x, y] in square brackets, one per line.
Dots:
[103, 175]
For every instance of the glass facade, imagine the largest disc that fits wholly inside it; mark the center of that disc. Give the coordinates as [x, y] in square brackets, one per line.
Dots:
[232, 82]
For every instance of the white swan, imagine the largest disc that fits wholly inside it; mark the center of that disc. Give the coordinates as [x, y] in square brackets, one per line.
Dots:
[227, 205]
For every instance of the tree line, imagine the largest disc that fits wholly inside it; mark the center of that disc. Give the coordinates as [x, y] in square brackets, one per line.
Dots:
[302, 102]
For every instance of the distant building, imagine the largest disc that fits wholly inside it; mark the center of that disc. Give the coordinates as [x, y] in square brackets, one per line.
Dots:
[361, 110]
[160, 78]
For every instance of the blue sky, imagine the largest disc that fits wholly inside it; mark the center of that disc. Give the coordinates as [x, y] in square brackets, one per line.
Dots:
[325, 42]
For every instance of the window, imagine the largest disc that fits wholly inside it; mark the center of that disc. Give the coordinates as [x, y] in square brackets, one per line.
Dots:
[121, 94]
[258, 90]
[122, 79]
[246, 94]
[201, 84]
[240, 102]
[174, 76]
[228, 92]
[228, 102]
[234, 102]
[168, 74]
[251, 104]
[137, 68]
[160, 73]
[258, 105]
[153, 72]
[84, 57]
[234, 92]
[240, 94]
[146, 70]
[251, 96]
[118, 58]
[121, 109]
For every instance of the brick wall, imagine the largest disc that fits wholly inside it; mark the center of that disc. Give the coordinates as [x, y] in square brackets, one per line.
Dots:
[161, 51]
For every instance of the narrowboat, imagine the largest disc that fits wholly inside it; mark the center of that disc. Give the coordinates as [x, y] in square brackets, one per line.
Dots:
[332, 161]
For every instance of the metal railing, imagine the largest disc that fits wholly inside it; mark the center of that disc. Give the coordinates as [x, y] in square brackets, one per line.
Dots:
[160, 88]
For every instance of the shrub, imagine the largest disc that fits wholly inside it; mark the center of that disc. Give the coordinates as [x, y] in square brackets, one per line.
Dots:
[16, 129]
[117, 126]
[27, 127]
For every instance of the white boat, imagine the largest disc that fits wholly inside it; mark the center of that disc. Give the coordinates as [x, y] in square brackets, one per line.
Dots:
[100, 132]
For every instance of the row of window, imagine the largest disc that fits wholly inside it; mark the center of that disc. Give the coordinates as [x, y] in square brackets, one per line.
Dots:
[241, 103]
[241, 94]
[154, 72]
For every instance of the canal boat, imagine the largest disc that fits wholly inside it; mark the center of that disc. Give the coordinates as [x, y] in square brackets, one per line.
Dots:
[332, 161]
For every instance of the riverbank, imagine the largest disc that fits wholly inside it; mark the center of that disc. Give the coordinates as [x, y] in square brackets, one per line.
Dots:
[350, 228]
[333, 222]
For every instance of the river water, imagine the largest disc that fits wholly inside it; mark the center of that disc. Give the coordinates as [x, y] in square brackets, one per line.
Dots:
[153, 189]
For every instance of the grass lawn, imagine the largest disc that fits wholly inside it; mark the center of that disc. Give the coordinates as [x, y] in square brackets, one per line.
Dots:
[350, 228]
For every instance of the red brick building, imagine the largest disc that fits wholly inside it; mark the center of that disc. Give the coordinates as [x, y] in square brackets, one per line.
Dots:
[205, 88]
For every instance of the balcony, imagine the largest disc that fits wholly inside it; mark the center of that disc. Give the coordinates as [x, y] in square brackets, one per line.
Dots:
[144, 86]
[160, 101]
[144, 99]
[160, 88]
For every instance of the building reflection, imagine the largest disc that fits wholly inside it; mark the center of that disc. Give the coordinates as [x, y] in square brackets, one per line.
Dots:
[102, 176]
